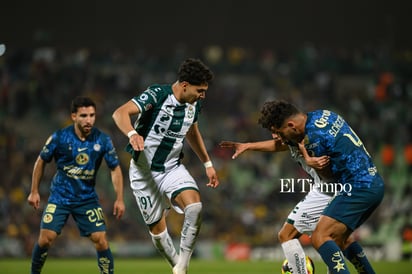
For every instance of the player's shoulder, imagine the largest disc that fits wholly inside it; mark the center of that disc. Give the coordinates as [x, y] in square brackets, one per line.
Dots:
[64, 132]
[321, 118]
[100, 134]
[153, 94]
[159, 89]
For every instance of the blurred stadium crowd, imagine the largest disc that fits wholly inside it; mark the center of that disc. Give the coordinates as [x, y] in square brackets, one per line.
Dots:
[370, 87]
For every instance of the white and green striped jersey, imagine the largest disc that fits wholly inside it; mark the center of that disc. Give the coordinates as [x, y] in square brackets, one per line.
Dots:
[163, 123]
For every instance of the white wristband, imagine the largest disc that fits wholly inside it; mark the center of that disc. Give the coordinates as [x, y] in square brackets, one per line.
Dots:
[208, 164]
[131, 133]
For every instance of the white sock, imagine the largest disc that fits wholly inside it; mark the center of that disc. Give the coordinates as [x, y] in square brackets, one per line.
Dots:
[164, 244]
[295, 255]
[189, 234]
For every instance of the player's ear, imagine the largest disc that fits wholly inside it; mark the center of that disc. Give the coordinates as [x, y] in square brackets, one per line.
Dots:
[291, 124]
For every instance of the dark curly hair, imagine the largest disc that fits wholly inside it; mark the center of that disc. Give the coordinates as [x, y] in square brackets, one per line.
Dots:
[194, 72]
[274, 113]
[81, 101]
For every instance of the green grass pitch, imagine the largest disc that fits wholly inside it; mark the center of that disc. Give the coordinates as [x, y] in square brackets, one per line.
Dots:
[159, 266]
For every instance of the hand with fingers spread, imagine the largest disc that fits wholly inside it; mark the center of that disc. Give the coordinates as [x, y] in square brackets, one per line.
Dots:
[239, 147]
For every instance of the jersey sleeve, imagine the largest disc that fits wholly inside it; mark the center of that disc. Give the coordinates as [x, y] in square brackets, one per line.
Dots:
[111, 157]
[148, 98]
[47, 152]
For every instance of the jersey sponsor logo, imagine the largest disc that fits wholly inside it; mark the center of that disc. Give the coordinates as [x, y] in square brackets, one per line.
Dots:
[51, 208]
[323, 120]
[172, 134]
[82, 158]
[47, 218]
[81, 149]
[78, 173]
[148, 107]
[143, 97]
[372, 171]
[99, 224]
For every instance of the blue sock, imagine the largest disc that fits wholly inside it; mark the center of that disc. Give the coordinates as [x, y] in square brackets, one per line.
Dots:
[38, 257]
[354, 253]
[333, 257]
[105, 261]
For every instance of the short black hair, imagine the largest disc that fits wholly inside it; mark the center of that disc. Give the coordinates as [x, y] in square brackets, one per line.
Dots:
[194, 72]
[81, 101]
[274, 113]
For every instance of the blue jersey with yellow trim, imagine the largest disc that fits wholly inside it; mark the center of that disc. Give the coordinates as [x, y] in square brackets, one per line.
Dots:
[77, 164]
[327, 133]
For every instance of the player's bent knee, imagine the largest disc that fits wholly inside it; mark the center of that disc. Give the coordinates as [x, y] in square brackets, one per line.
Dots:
[194, 208]
[46, 237]
[99, 240]
[282, 236]
[288, 232]
[193, 211]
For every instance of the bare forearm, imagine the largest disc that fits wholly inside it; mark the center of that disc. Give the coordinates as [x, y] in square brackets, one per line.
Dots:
[121, 116]
[266, 146]
[196, 142]
[37, 174]
[117, 180]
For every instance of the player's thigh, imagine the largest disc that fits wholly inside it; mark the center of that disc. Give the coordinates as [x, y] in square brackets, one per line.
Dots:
[54, 218]
[89, 218]
[180, 188]
[330, 229]
[355, 207]
[305, 215]
[151, 202]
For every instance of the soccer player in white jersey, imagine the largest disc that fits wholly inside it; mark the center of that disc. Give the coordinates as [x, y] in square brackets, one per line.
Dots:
[167, 115]
[304, 216]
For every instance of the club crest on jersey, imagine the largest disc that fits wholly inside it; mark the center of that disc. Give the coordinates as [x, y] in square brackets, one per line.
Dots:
[47, 218]
[97, 147]
[82, 158]
[191, 112]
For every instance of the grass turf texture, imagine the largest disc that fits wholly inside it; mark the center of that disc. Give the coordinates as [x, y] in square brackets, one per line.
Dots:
[159, 266]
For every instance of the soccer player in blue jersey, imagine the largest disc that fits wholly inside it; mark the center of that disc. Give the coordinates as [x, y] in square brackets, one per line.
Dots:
[78, 151]
[303, 218]
[324, 132]
[167, 115]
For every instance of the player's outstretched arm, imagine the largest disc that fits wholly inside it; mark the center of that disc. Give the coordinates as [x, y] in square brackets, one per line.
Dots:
[117, 180]
[34, 197]
[272, 145]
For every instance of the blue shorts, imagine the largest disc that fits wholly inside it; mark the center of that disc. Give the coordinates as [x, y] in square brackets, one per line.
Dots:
[352, 209]
[89, 217]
